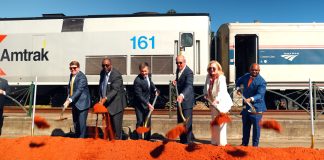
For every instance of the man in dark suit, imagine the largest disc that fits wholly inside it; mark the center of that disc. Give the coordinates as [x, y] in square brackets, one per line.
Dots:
[184, 83]
[79, 98]
[143, 88]
[254, 90]
[4, 89]
[112, 95]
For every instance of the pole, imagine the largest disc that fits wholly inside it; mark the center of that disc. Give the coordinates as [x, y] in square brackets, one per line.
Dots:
[34, 106]
[170, 100]
[311, 111]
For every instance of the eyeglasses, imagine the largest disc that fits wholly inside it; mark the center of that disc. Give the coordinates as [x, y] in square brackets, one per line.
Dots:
[73, 68]
[178, 62]
[211, 68]
[105, 65]
[254, 70]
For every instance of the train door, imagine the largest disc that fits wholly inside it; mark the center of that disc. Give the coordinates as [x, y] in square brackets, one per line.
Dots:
[246, 52]
[186, 47]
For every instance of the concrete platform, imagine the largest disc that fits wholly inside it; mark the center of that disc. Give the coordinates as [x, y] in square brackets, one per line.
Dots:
[296, 128]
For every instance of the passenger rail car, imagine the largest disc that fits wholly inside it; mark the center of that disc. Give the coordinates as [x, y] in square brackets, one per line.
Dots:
[44, 46]
[289, 54]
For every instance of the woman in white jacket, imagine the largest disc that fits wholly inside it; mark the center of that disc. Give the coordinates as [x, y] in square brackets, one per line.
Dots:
[216, 91]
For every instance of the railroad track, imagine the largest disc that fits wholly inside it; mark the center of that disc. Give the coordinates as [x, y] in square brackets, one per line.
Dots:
[15, 109]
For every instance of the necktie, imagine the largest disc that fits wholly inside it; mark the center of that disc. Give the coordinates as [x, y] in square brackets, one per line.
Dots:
[104, 86]
[71, 85]
[250, 81]
[148, 82]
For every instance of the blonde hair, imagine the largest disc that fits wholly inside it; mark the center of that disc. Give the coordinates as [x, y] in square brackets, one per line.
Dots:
[219, 67]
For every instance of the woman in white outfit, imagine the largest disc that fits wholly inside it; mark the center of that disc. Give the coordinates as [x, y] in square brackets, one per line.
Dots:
[216, 91]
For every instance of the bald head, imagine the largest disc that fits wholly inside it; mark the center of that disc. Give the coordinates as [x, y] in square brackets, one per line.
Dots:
[254, 69]
[181, 62]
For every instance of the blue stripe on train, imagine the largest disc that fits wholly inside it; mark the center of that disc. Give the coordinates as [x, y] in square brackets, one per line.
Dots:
[288, 56]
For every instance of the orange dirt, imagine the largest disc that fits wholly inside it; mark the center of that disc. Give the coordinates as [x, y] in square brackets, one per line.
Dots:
[44, 147]
[99, 108]
[41, 122]
[271, 124]
[220, 119]
[176, 131]
[141, 130]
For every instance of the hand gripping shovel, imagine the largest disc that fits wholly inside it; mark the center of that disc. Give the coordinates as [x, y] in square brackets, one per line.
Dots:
[144, 129]
[180, 128]
[220, 118]
[61, 115]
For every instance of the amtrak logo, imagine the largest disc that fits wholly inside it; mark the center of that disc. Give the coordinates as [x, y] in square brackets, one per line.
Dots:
[290, 56]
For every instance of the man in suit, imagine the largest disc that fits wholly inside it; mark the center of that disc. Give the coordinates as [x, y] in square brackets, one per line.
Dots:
[143, 88]
[4, 89]
[254, 90]
[112, 95]
[184, 84]
[79, 99]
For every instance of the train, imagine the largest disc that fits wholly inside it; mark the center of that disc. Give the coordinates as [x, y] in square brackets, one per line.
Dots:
[288, 53]
[42, 47]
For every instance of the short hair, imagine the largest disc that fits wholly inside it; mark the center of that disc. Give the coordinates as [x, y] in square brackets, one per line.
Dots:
[106, 58]
[75, 63]
[143, 65]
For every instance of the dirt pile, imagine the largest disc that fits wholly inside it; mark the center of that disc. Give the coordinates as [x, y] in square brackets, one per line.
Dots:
[44, 147]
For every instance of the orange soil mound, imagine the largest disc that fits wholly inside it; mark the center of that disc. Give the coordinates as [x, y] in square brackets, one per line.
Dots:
[99, 108]
[41, 122]
[45, 147]
[176, 131]
[141, 130]
[271, 124]
[220, 119]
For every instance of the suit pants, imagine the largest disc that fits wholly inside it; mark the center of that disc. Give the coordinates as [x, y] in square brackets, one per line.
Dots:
[187, 137]
[141, 115]
[249, 120]
[1, 118]
[80, 122]
[117, 124]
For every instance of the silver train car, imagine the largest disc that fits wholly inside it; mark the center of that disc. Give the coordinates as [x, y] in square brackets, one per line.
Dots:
[289, 54]
[44, 46]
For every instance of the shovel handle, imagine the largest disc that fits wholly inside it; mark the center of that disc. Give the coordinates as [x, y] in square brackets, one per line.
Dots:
[213, 105]
[179, 105]
[150, 112]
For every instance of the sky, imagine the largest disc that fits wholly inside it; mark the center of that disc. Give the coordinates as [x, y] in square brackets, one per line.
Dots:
[221, 11]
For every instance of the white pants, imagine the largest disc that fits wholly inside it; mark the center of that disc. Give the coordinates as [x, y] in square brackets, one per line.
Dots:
[218, 133]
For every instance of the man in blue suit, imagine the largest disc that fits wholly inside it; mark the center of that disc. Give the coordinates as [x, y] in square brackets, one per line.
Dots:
[184, 83]
[4, 89]
[144, 88]
[79, 98]
[254, 90]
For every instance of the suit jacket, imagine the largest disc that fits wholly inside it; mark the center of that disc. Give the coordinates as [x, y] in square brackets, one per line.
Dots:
[219, 93]
[4, 86]
[185, 87]
[257, 90]
[81, 95]
[142, 91]
[115, 91]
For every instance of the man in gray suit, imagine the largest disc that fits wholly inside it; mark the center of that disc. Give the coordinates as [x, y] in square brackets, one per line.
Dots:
[79, 98]
[4, 88]
[184, 83]
[112, 95]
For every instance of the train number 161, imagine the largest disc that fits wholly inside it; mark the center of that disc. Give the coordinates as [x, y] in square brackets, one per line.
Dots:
[143, 42]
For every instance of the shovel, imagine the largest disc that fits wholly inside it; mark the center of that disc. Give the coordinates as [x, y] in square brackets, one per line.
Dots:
[220, 118]
[61, 115]
[185, 120]
[144, 129]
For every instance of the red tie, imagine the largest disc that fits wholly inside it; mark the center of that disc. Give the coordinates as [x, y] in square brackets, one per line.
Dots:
[250, 81]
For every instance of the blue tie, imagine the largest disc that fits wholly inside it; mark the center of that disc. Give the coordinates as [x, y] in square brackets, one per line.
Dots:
[104, 86]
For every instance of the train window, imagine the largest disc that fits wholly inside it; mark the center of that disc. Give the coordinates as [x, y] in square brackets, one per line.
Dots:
[186, 39]
[72, 25]
[93, 64]
[162, 64]
[158, 64]
[136, 60]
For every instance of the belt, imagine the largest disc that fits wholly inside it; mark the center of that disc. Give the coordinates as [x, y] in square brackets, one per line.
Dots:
[255, 113]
